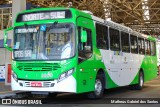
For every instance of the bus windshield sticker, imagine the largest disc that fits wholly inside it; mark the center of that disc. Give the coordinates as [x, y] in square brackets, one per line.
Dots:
[29, 30]
[43, 28]
[21, 54]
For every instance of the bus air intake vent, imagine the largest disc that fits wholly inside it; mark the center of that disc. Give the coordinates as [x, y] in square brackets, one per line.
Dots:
[38, 67]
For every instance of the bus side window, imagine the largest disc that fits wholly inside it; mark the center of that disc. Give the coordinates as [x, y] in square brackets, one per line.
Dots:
[153, 48]
[147, 47]
[102, 36]
[84, 48]
[125, 42]
[141, 46]
[114, 39]
[134, 44]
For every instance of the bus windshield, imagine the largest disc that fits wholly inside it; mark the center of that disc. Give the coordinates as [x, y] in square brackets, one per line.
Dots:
[44, 42]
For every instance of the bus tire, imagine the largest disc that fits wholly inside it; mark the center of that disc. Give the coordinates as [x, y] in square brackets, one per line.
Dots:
[139, 86]
[99, 88]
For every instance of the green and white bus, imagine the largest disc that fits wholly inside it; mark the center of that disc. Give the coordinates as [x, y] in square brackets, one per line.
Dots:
[67, 50]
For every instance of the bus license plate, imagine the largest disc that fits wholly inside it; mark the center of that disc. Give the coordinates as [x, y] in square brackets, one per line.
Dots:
[36, 84]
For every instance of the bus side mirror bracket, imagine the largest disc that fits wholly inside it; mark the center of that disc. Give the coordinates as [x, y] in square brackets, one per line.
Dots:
[83, 36]
[6, 37]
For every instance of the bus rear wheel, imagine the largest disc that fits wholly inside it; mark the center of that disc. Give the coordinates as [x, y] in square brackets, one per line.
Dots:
[99, 88]
[140, 83]
[139, 86]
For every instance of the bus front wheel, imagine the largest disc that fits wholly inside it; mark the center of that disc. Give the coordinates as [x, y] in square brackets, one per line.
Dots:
[99, 88]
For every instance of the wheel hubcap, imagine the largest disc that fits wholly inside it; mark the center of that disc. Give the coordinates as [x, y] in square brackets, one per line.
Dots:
[98, 87]
[141, 80]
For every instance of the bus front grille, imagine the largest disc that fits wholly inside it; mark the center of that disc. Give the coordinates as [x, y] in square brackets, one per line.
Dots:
[39, 67]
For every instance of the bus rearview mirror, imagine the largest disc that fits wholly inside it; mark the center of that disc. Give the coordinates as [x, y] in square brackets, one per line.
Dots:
[6, 38]
[83, 36]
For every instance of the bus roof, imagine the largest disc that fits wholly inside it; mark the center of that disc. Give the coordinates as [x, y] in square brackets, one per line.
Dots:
[122, 28]
[105, 22]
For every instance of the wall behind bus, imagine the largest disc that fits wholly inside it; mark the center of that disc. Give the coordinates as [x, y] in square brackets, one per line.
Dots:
[158, 52]
[5, 55]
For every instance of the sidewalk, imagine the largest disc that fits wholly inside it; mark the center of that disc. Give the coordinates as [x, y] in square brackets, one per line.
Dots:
[5, 90]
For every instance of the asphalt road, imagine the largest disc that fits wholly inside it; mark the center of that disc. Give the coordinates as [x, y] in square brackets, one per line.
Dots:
[150, 90]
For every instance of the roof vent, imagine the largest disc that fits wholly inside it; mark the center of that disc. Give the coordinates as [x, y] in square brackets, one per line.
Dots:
[89, 12]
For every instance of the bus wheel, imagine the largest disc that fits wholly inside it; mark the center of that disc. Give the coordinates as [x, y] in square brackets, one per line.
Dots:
[52, 95]
[99, 88]
[139, 86]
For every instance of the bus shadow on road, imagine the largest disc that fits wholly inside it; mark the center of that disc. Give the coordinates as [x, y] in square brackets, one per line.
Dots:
[122, 92]
[68, 98]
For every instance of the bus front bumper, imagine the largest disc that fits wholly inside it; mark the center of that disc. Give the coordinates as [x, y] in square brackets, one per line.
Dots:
[66, 85]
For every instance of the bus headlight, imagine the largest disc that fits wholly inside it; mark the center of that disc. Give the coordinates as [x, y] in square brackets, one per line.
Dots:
[15, 77]
[65, 75]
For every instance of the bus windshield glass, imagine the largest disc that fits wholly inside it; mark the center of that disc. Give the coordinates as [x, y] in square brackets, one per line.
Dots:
[44, 42]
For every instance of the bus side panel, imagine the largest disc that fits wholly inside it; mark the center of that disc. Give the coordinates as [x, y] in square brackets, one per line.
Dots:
[149, 69]
[109, 83]
[136, 79]
[122, 67]
[149, 66]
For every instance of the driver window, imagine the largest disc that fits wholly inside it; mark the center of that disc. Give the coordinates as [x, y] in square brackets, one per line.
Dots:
[84, 48]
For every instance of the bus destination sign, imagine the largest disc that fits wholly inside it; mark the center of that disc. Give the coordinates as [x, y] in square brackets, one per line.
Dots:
[43, 16]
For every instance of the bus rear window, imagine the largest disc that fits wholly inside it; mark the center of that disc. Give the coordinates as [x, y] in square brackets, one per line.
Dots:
[134, 44]
[153, 48]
